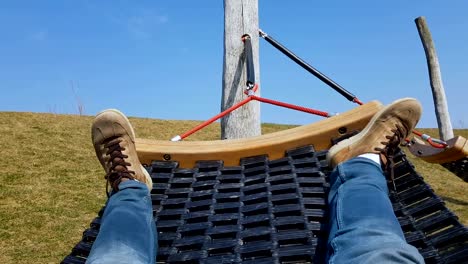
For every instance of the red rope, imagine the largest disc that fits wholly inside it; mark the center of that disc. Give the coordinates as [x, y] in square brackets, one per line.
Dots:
[290, 106]
[216, 117]
[429, 140]
[243, 102]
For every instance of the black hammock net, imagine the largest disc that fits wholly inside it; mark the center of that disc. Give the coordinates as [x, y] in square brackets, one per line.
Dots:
[275, 211]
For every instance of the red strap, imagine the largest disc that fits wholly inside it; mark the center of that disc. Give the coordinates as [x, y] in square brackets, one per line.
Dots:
[245, 101]
[216, 117]
[429, 140]
[290, 106]
[286, 105]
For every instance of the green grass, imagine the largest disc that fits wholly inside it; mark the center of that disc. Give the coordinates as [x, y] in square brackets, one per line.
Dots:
[52, 185]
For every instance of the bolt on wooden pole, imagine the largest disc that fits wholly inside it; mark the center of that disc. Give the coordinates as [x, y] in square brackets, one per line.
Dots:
[438, 92]
[240, 18]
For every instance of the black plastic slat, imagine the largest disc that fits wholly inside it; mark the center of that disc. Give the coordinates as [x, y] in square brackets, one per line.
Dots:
[459, 168]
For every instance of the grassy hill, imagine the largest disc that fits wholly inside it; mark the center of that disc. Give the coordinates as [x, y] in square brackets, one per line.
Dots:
[52, 185]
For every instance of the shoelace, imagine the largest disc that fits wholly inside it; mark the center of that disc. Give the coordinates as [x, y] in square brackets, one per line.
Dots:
[391, 148]
[118, 166]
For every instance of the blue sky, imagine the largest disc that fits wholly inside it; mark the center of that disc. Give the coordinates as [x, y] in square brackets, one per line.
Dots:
[163, 59]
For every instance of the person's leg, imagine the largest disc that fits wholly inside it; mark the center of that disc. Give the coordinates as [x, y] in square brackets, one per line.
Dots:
[363, 226]
[128, 231]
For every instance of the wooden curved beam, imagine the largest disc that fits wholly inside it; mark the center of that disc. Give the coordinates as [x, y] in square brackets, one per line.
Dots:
[274, 145]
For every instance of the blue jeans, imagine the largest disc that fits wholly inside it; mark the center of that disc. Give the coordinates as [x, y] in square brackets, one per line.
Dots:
[128, 231]
[363, 226]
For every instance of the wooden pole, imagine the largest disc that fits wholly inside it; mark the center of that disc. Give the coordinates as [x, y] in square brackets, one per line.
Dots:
[438, 92]
[240, 17]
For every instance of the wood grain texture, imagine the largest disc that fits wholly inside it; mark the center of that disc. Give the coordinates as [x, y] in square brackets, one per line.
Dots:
[274, 145]
[240, 17]
[438, 92]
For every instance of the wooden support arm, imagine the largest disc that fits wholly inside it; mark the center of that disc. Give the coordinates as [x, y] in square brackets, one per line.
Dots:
[274, 145]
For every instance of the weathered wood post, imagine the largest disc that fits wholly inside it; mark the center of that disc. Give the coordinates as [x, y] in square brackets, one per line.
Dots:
[438, 92]
[240, 17]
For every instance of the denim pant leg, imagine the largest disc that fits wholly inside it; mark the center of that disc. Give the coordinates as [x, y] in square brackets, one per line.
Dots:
[363, 226]
[128, 231]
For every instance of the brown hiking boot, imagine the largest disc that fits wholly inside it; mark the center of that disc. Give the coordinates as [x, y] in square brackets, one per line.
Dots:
[114, 141]
[382, 135]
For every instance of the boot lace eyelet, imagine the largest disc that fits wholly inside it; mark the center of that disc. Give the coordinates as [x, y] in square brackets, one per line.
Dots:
[118, 167]
[391, 149]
